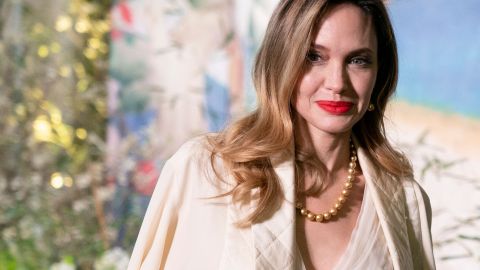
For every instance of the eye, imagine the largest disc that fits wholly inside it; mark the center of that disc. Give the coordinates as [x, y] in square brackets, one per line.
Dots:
[361, 61]
[315, 57]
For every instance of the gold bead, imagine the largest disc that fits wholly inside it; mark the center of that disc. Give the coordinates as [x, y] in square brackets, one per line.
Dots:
[324, 217]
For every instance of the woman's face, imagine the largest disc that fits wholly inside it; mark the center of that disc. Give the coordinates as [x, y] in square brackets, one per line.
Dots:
[334, 91]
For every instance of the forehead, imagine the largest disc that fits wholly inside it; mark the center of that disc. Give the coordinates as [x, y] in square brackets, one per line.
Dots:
[346, 27]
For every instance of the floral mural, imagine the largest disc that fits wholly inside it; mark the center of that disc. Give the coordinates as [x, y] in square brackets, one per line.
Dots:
[178, 69]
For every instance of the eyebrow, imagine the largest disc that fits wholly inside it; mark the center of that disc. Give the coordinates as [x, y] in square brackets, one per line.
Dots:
[356, 51]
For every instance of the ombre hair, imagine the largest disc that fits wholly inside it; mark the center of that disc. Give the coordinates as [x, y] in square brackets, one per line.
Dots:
[248, 145]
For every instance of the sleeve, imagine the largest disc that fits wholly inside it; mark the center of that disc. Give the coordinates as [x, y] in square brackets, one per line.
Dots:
[423, 225]
[158, 227]
[427, 206]
[160, 222]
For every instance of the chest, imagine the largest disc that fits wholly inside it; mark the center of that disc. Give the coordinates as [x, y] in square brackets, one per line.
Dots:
[322, 244]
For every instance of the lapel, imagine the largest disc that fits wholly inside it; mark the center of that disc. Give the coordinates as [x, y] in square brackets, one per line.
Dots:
[271, 244]
[274, 238]
[238, 250]
[389, 199]
[266, 245]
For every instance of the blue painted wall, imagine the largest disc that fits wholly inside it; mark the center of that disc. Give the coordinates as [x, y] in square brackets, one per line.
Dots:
[439, 50]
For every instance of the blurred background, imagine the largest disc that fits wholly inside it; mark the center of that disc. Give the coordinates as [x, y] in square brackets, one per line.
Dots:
[96, 95]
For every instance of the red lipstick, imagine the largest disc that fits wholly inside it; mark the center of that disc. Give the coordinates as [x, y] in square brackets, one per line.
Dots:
[335, 107]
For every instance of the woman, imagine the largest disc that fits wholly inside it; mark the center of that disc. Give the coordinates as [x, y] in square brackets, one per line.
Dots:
[308, 180]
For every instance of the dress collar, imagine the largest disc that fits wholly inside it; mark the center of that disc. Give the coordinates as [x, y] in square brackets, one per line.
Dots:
[390, 204]
[274, 239]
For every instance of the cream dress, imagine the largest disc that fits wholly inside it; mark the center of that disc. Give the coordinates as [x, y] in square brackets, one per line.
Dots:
[367, 248]
[182, 230]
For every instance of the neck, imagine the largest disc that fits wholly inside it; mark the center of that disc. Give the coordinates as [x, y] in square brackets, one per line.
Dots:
[333, 150]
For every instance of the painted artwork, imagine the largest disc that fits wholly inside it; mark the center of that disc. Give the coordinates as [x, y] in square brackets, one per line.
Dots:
[436, 117]
[183, 68]
[177, 69]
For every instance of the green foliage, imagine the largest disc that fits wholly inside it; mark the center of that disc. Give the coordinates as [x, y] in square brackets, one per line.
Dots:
[53, 67]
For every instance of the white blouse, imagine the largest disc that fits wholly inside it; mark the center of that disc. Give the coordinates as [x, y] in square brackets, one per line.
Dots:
[183, 230]
[367, 237]
[362, 252]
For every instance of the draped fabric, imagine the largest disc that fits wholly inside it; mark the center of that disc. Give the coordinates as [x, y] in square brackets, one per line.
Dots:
[183, 230]
[367, 248]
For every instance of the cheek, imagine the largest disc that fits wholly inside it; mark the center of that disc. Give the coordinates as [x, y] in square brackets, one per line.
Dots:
[300, 92]
[302, 99]
[301, 102]
[306, 87]
[297, 101]
[363, 85]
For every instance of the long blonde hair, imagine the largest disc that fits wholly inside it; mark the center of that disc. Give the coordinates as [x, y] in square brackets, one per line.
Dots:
[247, 145]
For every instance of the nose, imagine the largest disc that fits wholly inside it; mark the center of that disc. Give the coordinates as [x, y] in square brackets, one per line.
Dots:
[335, 79]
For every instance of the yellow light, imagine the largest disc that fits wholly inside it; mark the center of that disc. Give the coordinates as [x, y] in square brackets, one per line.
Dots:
[37, 93]
[82, 25]
[55, 115]
[64, 71]
[81, 133]
[56, 180]
[68, 181]
[103, 48]
[64, 135]
[80, 70]
[43, 51]
[42, 130]
[102, 26]
[74, 6]
[55, 47]
[82, 85]
[90, 53]
[63, 23]
[45, 105]
[20, 110]
[94, 43]
[101, 107]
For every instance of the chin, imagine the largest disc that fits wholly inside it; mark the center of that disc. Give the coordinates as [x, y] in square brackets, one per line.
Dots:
[334, 129]
[336, 126]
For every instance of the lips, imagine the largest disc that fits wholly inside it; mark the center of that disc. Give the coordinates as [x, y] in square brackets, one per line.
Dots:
[335, 107]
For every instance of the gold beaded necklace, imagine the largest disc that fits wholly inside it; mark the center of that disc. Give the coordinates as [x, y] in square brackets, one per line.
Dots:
[325, 217]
